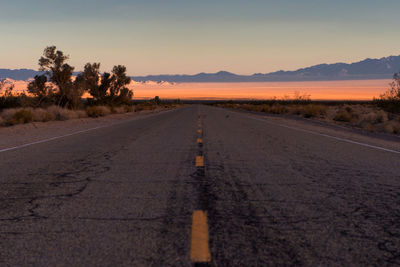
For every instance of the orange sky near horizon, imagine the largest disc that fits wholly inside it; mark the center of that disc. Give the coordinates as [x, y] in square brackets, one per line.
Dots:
[318, 90]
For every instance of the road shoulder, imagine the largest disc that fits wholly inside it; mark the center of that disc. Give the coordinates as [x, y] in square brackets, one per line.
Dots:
[35, 132]
[387, 141]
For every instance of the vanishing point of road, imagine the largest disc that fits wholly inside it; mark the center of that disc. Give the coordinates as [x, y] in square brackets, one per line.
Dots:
[199, 186]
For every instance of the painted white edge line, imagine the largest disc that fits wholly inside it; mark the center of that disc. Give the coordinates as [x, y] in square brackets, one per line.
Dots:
[74, 133]
[324, 135]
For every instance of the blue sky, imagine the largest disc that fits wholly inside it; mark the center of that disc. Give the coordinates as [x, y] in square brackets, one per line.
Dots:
[153, 37]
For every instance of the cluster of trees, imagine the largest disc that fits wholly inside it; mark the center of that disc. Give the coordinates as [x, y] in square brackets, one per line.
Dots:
[390, 100]
[8, 99]
[58, 86]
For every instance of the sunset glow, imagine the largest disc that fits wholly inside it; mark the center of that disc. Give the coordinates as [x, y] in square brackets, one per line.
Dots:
[326, 90]
[318, 90]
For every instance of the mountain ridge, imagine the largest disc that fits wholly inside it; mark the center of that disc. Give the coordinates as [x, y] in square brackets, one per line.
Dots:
[382, 68]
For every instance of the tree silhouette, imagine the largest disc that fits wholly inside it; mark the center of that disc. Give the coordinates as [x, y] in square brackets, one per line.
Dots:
[107, 88]
[39, 88]
[119, 81]
[89, 80]
[390, 100]
[60, 73]
[394, 92]
[157, 100]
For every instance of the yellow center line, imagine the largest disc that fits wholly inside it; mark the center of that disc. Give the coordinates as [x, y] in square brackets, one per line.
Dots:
[199, 248]
[199, 140]
[199, 161]
[199, 131]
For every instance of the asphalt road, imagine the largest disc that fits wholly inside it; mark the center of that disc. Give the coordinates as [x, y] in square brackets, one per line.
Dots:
[125, 195]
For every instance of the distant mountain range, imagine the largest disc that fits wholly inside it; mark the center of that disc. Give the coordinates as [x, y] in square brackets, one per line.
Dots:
[19, 74]
[382, 68]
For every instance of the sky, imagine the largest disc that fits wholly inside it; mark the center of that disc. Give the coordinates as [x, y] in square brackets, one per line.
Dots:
[185, 36]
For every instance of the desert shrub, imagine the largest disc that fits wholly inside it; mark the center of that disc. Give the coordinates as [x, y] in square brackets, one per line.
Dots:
[81, 113]
[295, 109]
[343, 115]
[128, 108]
[97, 111]
[392, 127]
[348, 109]
[311, 110]
[117, 110]
[264, 108]
[390, 100]
[252, 107]
[229, 105]
[299, 98]
[20, 116]
[157, 100]
[389, 105]
[138, 108]
[25, 115]
[374, 117]
[145, 106]
[62, 114]
[368, 126]
[42, 115]
[8, 113]
[278, 109]
[122, 109]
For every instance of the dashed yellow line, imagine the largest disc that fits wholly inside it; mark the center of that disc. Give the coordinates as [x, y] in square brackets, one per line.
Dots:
[199, 131]
[199, 161]
[199, 247]
[199, 140]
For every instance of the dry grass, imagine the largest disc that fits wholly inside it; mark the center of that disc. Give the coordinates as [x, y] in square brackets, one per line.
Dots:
[309, 111]
[374, 117]
[81, 113]
[122, 109]
[364, 116]
[343, 115]
[8, 113]
[98, 111]
[118, 110]
[145, 106]
[20, 116]
[62, 114]
[273, 109]
[277, 109]
[129, 108]
[392, 127]
[14, 116]
[25, 115]
[42, 115]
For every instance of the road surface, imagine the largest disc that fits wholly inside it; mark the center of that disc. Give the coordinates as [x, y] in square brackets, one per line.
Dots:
[199, 185]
